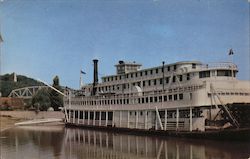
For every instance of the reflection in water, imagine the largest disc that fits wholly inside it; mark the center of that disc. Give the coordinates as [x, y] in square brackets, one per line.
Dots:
[67, 143]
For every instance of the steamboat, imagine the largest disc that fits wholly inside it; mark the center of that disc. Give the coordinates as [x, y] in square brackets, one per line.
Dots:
[186, 98]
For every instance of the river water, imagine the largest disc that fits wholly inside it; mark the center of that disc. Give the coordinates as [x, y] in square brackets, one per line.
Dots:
[57, 142]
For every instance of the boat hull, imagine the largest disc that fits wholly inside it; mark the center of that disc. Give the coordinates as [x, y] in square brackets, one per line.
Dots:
[242, 134]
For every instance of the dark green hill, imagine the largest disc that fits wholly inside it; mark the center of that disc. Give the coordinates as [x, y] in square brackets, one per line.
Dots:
[7, 83]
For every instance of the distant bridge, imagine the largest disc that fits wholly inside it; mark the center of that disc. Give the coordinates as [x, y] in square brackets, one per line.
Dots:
[26, 92]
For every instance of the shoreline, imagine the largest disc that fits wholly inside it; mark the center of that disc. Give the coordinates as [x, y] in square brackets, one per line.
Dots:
[9, 118]
[8, 122]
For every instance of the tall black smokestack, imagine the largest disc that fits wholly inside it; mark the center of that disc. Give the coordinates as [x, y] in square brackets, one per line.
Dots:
[95, 82]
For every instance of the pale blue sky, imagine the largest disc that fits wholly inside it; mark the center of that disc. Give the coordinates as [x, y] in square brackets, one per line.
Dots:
[44, 38]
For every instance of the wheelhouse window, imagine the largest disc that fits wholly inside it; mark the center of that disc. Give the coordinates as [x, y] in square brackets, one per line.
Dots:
[188, 76]
[204, 74]
[193, 65]
[224, 73]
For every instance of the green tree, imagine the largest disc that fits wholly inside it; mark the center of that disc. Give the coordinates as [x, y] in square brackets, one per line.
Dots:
[41, 100]
[56, 99]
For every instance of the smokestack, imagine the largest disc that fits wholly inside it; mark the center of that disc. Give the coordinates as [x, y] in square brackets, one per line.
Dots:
[95, 82]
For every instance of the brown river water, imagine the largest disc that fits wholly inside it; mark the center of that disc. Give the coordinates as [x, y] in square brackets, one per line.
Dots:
[58, 142]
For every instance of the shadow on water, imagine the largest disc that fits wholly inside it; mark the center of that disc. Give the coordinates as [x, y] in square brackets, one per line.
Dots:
[72, 143]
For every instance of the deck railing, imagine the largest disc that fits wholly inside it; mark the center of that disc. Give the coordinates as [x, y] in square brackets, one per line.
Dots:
[226, 65]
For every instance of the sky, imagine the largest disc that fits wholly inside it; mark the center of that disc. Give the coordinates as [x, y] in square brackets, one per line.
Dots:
[44, 38]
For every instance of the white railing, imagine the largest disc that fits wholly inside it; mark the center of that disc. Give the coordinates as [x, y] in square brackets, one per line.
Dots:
[226, 65]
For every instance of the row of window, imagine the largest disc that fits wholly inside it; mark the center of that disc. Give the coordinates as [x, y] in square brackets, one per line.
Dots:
[205, 74]
[96, 115]
[155, 99]
[152, 82]
[137, 74]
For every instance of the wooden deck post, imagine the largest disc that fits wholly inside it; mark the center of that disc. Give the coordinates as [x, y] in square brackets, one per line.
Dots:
[128, 119]
[100, 118]
[177, 119]
[166, 119]
[190, 119]
[94, 117]
[88, 116]
[106, 121]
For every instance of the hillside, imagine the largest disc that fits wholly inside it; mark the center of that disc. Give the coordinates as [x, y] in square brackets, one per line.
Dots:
[7, 83]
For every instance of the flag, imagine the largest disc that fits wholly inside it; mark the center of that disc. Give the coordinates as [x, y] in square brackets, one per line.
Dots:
[231, 52]
[1, 39]
[83, 72]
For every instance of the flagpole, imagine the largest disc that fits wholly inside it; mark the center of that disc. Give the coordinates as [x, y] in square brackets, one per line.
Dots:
[80, 79]
[231, 53]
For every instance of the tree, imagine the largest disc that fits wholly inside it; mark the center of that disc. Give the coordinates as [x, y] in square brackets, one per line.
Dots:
[56, 99]
[41, 100]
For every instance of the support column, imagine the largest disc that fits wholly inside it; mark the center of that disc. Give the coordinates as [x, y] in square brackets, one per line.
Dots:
[120, 119]
[190, 119]
[100, 118]
[74, 116]
[83, 117]
[78, 117]
[88, 116]
[94, 118]
[128, 119]
[136, 119]
[146, 120]
[113, 118]
[106, 121]
[156, 124]
[69, 115]
[166, 119]
[177, 119]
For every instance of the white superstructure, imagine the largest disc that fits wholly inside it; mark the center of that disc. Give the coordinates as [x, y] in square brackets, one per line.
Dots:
[183, 96]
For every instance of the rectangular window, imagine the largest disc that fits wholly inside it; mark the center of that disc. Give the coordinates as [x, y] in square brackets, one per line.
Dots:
[174, 67]
[160, 80]
[160, 98]
[146, 73]
[146, 99]
[156, 71]
[224, 73]
[188, 76]
[143, 83]
[167, 80]
[136, 74]
[151, 99]
[149, 82]
[174, 79]
[131, 75]
[180, 78]
[165, 98]
[141, 73]
[175, 96]
[154, 81]
[168, 68]
[193, 65]
[151, 72]
[204, 74]
[170, 97]
[180, 96]
[156, 99]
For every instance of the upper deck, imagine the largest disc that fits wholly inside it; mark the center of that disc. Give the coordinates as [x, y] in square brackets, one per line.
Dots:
[162, 77]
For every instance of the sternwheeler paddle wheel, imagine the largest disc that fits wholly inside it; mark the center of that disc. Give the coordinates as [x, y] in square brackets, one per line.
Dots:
[235, 115]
